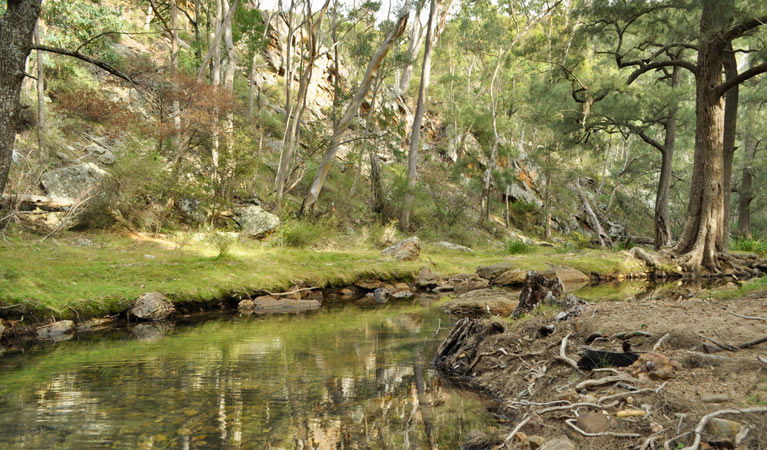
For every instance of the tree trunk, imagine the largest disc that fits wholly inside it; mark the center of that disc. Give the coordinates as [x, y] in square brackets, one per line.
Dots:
[701, 238]
[414, 46]
[351, 111]
[415, 132]
[730, 129]
[485, 214]
[746, 189]
[662, 215]
[40, 90]
[197, 37]
[176, 107]
[17, 28]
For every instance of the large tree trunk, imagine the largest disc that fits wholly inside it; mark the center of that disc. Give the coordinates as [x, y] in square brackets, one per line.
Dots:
[730, 129]
[176, 107]
[701, 238]
[415, 132]
[41, 126]
[351, 111]
[16, 31]
[662, 215]
[414, 46]
[746, 188]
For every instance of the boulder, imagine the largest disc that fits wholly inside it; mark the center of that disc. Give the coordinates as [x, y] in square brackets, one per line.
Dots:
[571, 277]
[426, 279]
[469, 284]
[246, 305]
[593, 422]
[3, 327]
[490, 272]
[405, 250]
[482, 302]
[56, 330]
[255, 222]
[269, 305]
[723, 427]
[70, 183]
[512, 277]
[152, 306]
[403, 294]
[451, 246]
[558, 443]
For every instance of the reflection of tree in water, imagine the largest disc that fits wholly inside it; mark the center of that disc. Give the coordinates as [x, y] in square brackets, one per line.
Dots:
[314, 383]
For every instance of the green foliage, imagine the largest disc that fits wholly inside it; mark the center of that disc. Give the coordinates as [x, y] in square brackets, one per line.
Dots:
[70, 23]
[758, 246]
[517, 247]
[303, 234]
[223, 242]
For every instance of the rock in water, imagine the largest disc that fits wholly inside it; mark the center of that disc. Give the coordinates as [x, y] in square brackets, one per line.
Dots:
[381, 296]
[255, 222]
[73, 182]
[539, 287]
[152, 306]
[405, 250]
[56, 330]
[246, 305]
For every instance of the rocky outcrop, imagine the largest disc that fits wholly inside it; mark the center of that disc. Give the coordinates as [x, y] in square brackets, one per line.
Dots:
[152, 306]
[71, 183]
[405, 250]
[56, 330]
[255, 222]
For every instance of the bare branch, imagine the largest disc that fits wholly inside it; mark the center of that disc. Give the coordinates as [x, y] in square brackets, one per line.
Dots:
[748, 74]
[88, 59]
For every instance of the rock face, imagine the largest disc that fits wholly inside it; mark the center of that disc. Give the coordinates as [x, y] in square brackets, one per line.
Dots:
[405, 250]
[482, 302]
[255, 222]
[152, 306]
[456, 247]
[56, 330]
[70, 183]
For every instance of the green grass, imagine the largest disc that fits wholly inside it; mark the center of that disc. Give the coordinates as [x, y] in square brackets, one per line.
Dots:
[749, 287]
[517, 246]
[758, 246]
[58, 279]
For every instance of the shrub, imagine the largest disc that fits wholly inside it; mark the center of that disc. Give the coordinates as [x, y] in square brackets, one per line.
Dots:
[518, 246]
[758, 246]
[302, 234]
[223, 242]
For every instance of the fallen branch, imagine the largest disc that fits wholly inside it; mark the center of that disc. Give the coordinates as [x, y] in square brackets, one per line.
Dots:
[296, 291]
[627, 393]
[704, 421]
[753, 343]
[660, 341]
[572, 424]
[563, 356]
[749, 317]
[708, 357]
[516, 430]
[575, 405]
[606, 380]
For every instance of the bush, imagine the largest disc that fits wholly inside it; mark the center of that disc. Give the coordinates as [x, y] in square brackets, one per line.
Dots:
[518, 246]
[223, 242]
[758, 246]
[302, 234]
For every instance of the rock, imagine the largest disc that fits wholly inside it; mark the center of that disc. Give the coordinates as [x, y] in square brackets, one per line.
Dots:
[715, 398]
[381, 296]
[246, 305]
[723, 427]
[269, 305]
[403, 294]
[490, 272]
[192, 210]
[150, 331]
[426, 279]
[568, 275]
[466, 283]
[481, 302]
[3, 327]
[513, 277]
[536, 441]
[346, 292]
[313, 295]
[94, 324]
[56, 330]
[152, 306]
[593, 422]
[480, 440]
[369, 285]
[255, 222]
[73, 182]
[451, 246]
[405, 250]
[559, 443]
[642, 255]
[100, 153]
[631, 413]
[654, 366]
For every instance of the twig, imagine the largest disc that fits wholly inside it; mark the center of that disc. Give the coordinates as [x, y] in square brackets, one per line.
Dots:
[704, 421]
[707, 357]
[562, 356]
[572, 424]
[575, 405]
[660, 341]
[762, 359]
[606, 380]
[627, 393]
[753, 343]
[606, 369]
[723, 345]
[749, 317]
[280, 294]
[625, 334]
[516, 430]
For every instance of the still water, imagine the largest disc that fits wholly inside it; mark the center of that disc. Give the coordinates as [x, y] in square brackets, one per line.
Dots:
[337, 378]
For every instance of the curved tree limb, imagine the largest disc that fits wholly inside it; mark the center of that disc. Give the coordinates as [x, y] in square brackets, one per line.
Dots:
[98, 63]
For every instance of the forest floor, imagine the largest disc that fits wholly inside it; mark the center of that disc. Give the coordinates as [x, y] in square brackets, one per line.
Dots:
[82, 275]
[662, 397]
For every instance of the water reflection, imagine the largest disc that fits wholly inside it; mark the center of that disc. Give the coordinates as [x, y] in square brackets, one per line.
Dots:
[341, 378]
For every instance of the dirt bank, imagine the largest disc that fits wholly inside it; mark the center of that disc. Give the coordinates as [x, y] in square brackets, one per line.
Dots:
[662, 397]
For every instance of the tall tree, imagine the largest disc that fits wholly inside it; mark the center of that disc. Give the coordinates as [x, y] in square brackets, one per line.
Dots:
[17, 28]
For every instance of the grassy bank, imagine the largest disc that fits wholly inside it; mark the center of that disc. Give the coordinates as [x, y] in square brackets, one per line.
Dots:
[96, 274]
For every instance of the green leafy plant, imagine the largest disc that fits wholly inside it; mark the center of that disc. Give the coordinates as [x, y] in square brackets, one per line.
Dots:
[517, 247]
[758, 246]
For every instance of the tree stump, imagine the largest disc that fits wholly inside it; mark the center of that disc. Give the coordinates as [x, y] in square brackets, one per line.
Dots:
[539, 287]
